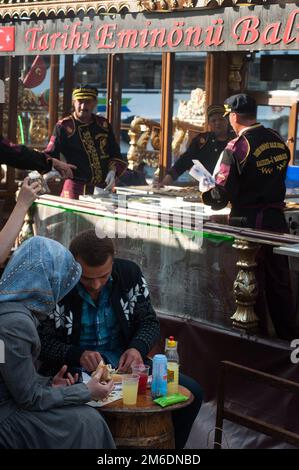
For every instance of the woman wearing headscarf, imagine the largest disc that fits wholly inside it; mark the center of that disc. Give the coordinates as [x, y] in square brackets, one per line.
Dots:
[35, 411]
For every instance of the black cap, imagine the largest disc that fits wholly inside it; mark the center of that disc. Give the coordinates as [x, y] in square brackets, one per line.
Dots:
[240, 104]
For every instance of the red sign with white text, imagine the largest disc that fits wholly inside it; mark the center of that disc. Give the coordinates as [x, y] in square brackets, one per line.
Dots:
[7, 38]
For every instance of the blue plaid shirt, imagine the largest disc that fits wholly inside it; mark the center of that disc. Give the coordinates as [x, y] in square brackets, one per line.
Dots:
[100, 330]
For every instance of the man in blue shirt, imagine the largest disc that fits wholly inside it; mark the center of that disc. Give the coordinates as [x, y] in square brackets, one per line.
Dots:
[108, 316]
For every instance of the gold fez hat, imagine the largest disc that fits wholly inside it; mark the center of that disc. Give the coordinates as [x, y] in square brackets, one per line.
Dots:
[215, 109]
[85, 93]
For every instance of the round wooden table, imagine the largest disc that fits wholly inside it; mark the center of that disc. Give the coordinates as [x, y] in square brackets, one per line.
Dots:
[144, 425]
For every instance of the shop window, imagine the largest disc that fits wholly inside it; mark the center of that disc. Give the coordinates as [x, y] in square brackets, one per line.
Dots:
[276, 117]
[269, 71]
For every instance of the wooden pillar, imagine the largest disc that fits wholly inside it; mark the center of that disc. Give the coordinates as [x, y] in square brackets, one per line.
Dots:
[13, 98]
[2, 72]
[54, 93]
[216, 78]
[167, 85]
[292, 133]
[68, 84]
[114, 91]
[209, 74]
[13, 72]
[219, 80]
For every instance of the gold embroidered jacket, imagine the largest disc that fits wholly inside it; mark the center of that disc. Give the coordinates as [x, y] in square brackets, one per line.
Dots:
[91, 147]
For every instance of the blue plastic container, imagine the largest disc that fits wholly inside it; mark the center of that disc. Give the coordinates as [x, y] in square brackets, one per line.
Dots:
[292, 177]
[159, 376]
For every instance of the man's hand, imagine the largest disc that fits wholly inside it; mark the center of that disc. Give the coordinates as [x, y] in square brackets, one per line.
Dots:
[28, 192]
[110, 180]
[167, 181]
[128, 358]
[90, 360]
[206, 183]
[65, 169]
[60, 381]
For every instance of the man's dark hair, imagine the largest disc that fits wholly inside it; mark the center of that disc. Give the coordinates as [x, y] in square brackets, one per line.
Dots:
[246, 117]
[94, 251]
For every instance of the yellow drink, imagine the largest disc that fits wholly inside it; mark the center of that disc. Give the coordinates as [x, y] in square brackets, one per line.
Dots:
[172, 378]
[130, 388]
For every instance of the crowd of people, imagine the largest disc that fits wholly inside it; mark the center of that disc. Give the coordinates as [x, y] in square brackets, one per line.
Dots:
[70, 311]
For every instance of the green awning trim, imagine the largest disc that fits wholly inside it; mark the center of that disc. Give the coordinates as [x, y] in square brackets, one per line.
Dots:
[219, 237]
[194, 233]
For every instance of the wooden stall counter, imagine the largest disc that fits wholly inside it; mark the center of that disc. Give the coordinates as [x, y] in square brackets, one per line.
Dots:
[144, 425]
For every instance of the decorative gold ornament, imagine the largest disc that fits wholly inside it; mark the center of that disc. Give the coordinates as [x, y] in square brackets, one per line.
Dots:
[236, 63]
[152, 5]
[41, 8]
[188, 124]
[245, 286]
[32, 115]
[163, 5]
[188, 4]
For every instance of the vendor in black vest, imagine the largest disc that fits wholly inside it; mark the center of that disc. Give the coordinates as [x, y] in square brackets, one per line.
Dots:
[205, 147]
[251, 176]
[87, 141]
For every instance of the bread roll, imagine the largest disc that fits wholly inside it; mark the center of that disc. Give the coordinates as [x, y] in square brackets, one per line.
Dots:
[117, 378]
[106, 369]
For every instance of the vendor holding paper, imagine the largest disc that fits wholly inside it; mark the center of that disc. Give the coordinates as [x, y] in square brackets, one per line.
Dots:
[205, 147]
[252, 170]
[251, 177]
